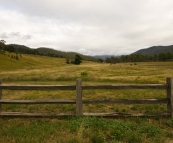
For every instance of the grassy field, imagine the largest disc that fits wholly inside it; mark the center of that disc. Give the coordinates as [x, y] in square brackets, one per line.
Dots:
[31, 69]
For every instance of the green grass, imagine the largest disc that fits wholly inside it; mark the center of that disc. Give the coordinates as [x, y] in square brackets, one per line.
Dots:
[31, 69]
[84, 129]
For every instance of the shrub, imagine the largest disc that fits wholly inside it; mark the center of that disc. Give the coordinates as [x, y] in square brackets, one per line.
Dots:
[84, 73]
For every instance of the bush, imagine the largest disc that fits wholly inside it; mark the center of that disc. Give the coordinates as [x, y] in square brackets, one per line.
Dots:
[84, 73]
[78, 60]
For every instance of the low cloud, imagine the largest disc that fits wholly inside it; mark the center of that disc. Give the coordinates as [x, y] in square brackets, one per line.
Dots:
[4, 36]
[14, 34]
[27, 37]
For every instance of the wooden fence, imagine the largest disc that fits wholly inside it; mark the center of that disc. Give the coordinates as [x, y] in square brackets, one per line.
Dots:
[79, 102]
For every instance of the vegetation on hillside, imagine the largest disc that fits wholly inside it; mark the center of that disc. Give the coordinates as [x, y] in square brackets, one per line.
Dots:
[151, 51]
[21, 49]
[152, 54]
[140, 58]
[155, 53]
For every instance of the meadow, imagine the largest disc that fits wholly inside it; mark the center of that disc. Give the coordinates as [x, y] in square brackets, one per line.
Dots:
[30, 69]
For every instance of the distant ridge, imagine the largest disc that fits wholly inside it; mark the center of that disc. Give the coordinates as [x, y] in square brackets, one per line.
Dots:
[155, 50]
[103, 56]
[151, 51]
[22, 49]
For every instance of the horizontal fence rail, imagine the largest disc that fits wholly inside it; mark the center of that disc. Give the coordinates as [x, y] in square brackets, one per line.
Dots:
[38, 87]
[127, 86]
[63, 101]
[125, 115]
[86, 87]
[19, 114]
[127, 101]
[79, 101]
[40, 101]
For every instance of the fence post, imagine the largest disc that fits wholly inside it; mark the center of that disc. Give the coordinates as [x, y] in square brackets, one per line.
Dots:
[169, 81]
[79, 97]
[0, 95]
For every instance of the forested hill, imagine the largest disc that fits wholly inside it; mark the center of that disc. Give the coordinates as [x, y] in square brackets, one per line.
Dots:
[21, 49]
[155, 53]
[155, 50]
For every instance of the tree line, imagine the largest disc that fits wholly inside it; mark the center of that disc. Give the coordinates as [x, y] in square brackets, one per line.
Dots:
[9, 49]
[140, 58]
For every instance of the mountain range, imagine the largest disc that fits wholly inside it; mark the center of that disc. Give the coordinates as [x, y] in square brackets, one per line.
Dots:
[56, 53]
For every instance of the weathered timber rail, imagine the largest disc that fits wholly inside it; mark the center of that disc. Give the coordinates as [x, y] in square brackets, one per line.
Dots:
[79, 102]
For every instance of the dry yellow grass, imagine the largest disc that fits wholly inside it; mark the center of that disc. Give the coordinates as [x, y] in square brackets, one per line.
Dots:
[48, 70]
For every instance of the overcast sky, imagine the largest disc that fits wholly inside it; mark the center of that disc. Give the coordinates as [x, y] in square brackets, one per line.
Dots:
[90, 27]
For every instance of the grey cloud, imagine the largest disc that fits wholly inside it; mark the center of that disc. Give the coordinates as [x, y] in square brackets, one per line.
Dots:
[27, 37]
[97, 26]
[3, 35]
[85, 11]
[14, 34]
[10, 35]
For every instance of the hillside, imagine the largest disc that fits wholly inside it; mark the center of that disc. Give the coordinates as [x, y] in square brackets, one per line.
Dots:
[29, 62]
[22, 49]
[155, 50]
[151, 51]
[62, 54]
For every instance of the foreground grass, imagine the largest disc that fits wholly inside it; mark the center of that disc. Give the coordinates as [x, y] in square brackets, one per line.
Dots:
[31, 69]
[86, 129]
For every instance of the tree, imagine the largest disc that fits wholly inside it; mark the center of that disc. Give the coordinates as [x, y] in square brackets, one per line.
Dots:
[2, 44]
[10, 48]
[100, 60]
[78, 60]
[67, 61]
